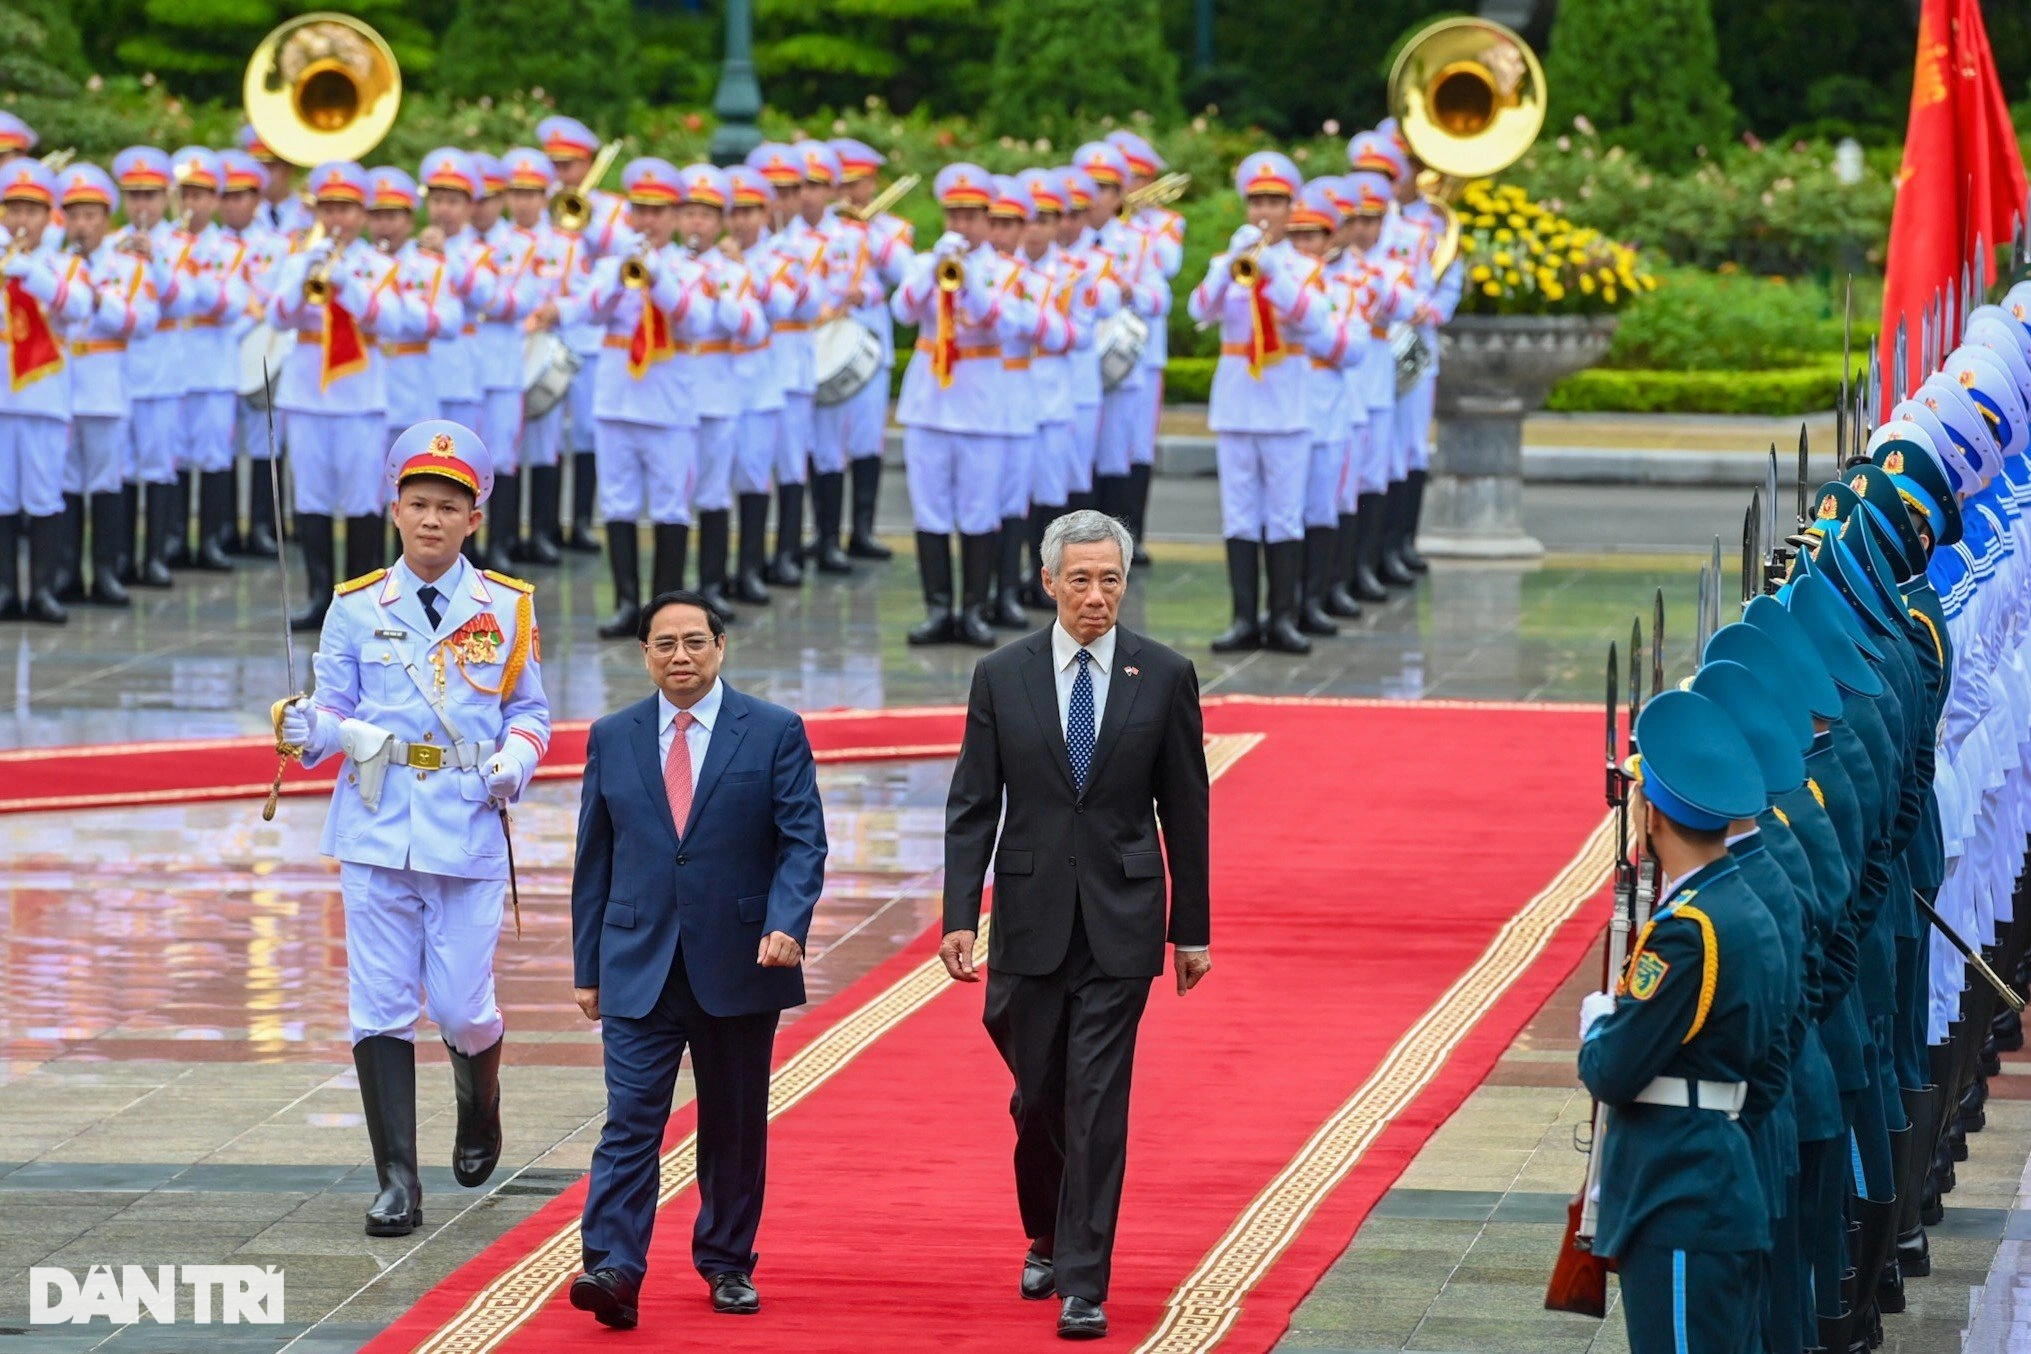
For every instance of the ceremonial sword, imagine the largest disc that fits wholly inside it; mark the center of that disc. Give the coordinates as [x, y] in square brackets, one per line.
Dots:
[284, 749]
[2009, 994]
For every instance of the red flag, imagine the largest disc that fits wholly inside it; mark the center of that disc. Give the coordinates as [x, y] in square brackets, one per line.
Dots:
[1264, 343]
[651, 342]
[32, 349]
[344, 347]
[1962, 177]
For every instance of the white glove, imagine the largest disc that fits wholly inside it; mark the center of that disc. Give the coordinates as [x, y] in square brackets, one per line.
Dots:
[1593, 1007]
[951, 242]
[1244, 236]
[507, 771]
[299, 722]
[19, 265]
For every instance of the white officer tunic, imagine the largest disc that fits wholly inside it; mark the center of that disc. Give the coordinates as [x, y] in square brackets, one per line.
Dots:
[1051, 380]
[1100, 294]
[122, 306]
[424, 872]
[773, 283]
[211, 349]
[35, 420]
[429, 308]
[333, 430]
[1263, 442]
[817, 294]
[737, 325]
[1029, 286]
[498, 345]
[156, 376]
[1338, 343]
[454, 356]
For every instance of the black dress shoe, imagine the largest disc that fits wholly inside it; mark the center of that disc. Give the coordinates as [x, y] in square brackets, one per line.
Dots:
[1079, 1319]
[1040, 1280]
[609, 1297]
[734, 1293]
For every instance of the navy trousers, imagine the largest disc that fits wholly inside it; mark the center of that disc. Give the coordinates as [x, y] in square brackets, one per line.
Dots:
[730, 1064]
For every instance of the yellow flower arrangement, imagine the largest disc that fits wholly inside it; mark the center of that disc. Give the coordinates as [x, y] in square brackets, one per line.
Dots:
[1526, 259]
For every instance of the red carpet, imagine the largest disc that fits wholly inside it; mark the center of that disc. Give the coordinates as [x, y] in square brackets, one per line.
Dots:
[1397, 888]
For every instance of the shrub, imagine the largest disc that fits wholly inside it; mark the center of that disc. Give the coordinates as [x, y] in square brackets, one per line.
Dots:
[1646, 72]
[1786, 390]
[1061, 63]
[578, 51]
[1699, 321]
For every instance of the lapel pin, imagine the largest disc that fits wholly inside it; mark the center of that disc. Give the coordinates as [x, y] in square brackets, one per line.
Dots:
[1132, 671]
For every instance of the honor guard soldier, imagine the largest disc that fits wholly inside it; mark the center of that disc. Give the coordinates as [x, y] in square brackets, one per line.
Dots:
[1091, 267]
[1143, 291]
[122, 305]
[1164, 254]
[1440, 297]
[571, 147]
[529, 181]
[776, 287]
[1673, 1051]
[802, 177]
[338, 292]
[1255, 291]
[419, 281]
[737, 326]
[955, 422]
[647, 296]
[211, 356]
[47, 294]
[882, 255]
[283, 210]
[519, 292]
[17, 138]
[1386, 297]
[429, 685]
[263, 249]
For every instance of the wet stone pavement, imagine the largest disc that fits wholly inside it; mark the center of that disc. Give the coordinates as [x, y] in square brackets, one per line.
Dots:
[175, 1083]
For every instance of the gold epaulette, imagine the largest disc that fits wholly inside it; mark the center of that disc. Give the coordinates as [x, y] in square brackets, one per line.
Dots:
[509, 582]
[363, 581]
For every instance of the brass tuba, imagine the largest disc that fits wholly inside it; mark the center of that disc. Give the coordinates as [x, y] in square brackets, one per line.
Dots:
[571, 208]
[1469, 98]
[322, 87]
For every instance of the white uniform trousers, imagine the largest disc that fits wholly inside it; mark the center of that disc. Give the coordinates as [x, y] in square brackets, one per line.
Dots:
[501, 429]
[1262, 485]
[793, 438]
[1376, 454]
[1324, 472]
[32, 452]
[420, 942]
[1414, 423]
[717, 438]
[1114, 449]
[953, 479]
[1142, 417]
[645, 468]
[828, 438]
[208, 430]
[471, 413]
[857, 426]
[1018, 456]
[157, 426]
[1085, 448]
[338, 462]
[250, 429]
[1347, 495]
[97, 462]
[1051, 464]
[580, 426]
[543, 437]
[754, 450]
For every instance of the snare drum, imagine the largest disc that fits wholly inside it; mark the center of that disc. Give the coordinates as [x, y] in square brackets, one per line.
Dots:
[548, 366]
[1122, 337]
[848, 355]
[264, 342]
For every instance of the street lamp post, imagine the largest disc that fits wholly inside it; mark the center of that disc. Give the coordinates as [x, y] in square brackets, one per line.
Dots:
[738, 100]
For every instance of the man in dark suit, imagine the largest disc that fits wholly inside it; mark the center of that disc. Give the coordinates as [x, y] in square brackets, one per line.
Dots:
[1093, 733]
[701, 854]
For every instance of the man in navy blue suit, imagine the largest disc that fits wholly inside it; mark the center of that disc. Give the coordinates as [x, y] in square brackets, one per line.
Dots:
[701, 854]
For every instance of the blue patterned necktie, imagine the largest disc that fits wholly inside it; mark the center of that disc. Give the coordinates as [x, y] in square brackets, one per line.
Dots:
[1079, 721]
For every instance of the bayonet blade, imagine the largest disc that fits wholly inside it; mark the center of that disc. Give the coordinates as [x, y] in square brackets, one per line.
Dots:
[1901, 362]
[281, 536]
[1657, 645]
[1804, 469]
[1614, 699]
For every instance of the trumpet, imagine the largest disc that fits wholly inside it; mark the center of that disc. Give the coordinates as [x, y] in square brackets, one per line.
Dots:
[571, 208]
[1156, 193]
[1246, 267]
[317, 282]
[951, 273]
[129, 240]
[882, 201]
[635, 272]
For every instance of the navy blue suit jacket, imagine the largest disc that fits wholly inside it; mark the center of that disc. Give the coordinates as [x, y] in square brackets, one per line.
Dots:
[751, 860]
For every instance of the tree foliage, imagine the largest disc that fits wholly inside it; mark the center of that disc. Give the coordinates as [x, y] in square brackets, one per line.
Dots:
[1060, 62]
[814, 54]
[1645, 72]
[580, 52]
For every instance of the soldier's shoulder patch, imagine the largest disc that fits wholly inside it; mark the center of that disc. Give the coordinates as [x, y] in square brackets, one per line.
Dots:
[363, 581]
[1645, 976]
[509, 581]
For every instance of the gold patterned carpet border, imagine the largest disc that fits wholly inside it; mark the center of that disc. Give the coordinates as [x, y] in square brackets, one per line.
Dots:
[1202, 1309]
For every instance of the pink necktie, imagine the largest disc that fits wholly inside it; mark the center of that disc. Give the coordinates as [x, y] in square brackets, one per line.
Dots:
[677, 772]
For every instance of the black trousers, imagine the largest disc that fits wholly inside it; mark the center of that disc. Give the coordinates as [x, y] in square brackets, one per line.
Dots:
[730, 1063]
[1069, 1038]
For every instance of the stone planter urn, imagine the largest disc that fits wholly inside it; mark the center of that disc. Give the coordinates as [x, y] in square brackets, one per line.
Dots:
[1494, 369]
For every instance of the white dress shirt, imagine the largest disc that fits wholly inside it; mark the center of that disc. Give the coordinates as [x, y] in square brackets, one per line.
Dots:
[696, 738]
[1065, 662]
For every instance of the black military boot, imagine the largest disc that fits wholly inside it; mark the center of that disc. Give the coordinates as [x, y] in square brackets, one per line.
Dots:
[1389, 567]
[45, 566]
[1413, 508]
[1005, 603]
[215, 511]
[477, 1080]
[828, 500]
[504, 524]
[1244, 581]
[1340, 601]
[783, 570]
[584, 536]
[261, 534]
[366, 544]
[176, 550]
[70, 568]
[540, 546]
[314, 534]
[867, 489]
[934, 573]
[1111, 495]
[1363, 582]
[666, 569]
[10, 567]
[159, 507]
[1138, 511]
[623, 551]
[750, 586]
[715, 532]
[130, 530]
[1286, 570]
[1032, 594]
[1313, 617]
[108, 517]
[387, 1072]
[977, 562]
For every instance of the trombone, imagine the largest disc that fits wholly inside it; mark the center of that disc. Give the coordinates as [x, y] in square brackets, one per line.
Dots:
[571, 208]
[1156, 193]
[882, 201]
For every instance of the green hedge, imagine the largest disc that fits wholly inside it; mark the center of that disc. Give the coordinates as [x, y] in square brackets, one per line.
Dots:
[1782, 390]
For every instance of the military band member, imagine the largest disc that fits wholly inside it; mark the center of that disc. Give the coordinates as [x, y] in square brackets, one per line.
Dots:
[17, 138]
[1162, 256]
[434, 668]
[1255, 292]
[776, 285]
[1337, 344]
[122, 305]
[239, 211]
[955, 422]
[450, 181]
[1385, 297]
[211, 356]
[1008, 221]
[1121, 405]
[520, 291]
[803, 177]
[419, 279]
[1085, 260]
[1070, 301]
[647, 296]
[283, 209]
[1440, 297]
[883, 254]
[339, 294]
[530, 182]
[571, 147]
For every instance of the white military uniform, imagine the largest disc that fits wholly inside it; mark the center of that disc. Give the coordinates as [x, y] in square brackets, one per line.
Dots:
[337, 430]
[211, 349]
[429, 308]
[123, 306]
[35, 419]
